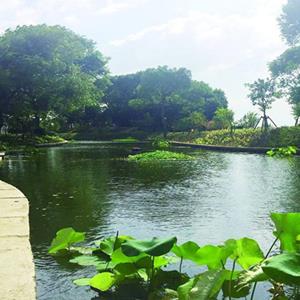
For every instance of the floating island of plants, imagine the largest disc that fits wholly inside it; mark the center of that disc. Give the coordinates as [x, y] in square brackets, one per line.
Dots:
[159, 155]
[233, 269]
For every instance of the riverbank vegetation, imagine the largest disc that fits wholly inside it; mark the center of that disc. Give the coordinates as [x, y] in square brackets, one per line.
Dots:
[159, 268]
[62, 84]
[248, 137]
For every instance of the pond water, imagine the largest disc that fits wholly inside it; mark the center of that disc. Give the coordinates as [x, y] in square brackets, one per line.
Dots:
[92, 188]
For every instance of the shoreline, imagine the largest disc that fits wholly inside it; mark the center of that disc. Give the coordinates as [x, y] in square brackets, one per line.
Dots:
[17, 271]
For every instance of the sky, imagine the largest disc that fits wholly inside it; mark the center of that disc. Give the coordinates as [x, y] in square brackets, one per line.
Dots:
[224, 43]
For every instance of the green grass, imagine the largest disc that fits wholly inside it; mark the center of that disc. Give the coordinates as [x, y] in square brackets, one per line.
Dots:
[126, 140]
[159, 155]
[46, 139]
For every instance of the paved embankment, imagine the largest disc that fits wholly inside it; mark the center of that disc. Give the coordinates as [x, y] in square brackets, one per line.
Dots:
[17, 274]
[262, 150]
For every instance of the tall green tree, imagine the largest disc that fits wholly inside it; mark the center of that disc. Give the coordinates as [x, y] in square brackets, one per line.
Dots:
[262, 94]
[48, 69]
[289, 22]
[286, 68]
[161, 87]
[223, 118]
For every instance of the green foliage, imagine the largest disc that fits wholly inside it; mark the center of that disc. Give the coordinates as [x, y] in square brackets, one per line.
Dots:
[46, 139]
[238, 137]
[47, 72]
[103, 281]
[284, 268]
[287, 230]
[248, 137]
[223, 118]
[262, 94]
[249, 120]
[289, 22]
[123, 260]
[283, 151]
[154, 247]
[160, 143]
[64, 239]
[159, 155]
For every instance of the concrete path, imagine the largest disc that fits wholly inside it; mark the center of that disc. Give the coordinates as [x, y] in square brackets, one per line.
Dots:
[17, 274]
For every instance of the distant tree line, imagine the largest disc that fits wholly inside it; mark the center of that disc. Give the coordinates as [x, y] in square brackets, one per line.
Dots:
[54, 79]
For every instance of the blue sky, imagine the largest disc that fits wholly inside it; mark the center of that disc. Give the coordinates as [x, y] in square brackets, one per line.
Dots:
[224, 43]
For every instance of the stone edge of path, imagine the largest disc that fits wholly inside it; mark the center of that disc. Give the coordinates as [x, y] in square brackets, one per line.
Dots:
[17, 272]
[261, 150]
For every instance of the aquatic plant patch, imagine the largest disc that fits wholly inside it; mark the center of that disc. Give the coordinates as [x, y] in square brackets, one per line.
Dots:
[232, 269]
[283, 151]
[159, 155]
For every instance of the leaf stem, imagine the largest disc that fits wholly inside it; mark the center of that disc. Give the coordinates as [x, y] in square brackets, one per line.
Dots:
[231, 276]
[180, 265]
[266, 256]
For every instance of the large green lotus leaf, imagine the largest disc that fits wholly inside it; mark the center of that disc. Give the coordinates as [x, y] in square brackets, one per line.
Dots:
[64, 239]
[254, 274]
[284, 268]
[82, 281]
[202, 287]
[208, 285]
[287, 230]
[154, 247]
[103, 281]
[187, 250]
[169, 279]
[126, 269]
[184, 289]
[232, 289]
[211, 256]
[247, 252]
[119, 257]
[86, 260]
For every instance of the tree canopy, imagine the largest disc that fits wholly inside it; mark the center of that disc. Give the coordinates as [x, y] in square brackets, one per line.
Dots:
[289, 22]
[46, 71]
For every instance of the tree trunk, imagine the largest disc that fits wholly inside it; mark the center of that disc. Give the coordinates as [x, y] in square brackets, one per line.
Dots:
[265, 124]
[164, 119]
[297, 121]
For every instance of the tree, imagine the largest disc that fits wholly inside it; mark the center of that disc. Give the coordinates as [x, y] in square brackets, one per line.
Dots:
[48, 70]
[249, 120]
[263, 94]
[223, 118]
[161, 88]
[289, 22]
[286, 68]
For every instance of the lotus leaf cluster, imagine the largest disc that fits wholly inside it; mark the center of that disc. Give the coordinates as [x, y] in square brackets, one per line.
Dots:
[158, 268]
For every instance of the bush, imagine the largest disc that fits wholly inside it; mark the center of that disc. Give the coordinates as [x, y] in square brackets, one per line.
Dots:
[160, 143]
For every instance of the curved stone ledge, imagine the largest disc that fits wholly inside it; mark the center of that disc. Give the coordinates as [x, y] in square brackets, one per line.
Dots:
[261, 150]
[17, 274]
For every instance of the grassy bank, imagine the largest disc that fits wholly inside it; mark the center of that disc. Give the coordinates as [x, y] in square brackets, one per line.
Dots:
[12, 142]
[278, 137]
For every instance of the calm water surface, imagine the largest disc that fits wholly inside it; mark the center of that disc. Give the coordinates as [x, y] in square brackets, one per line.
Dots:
[91, 188]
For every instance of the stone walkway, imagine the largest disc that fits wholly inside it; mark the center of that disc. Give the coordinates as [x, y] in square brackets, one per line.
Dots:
[17, 274]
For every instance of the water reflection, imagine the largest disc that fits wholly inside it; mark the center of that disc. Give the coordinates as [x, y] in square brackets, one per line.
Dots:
[92, 188]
